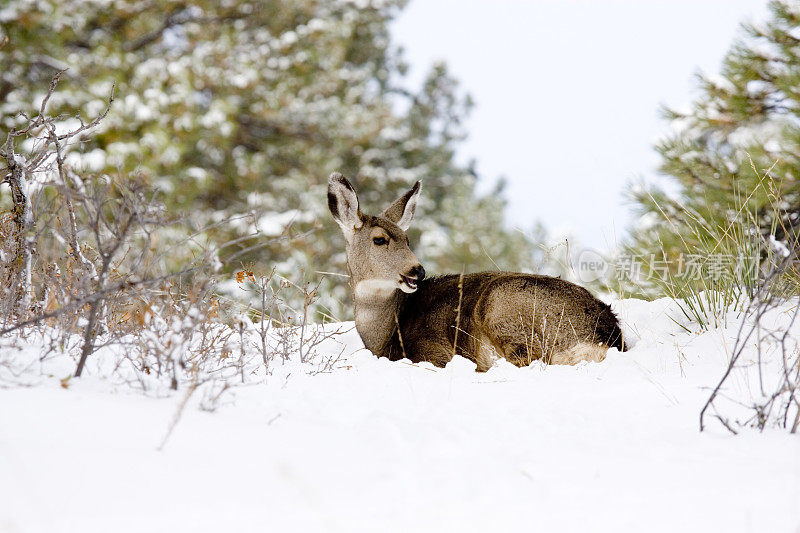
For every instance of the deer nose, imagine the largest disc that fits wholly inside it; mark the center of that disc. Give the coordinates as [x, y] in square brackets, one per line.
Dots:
[418, 272]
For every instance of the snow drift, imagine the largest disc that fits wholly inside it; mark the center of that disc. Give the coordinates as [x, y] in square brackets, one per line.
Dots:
[374, 445]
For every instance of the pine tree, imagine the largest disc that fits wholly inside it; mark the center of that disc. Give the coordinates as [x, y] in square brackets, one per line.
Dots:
[237, 111]
[733, 160]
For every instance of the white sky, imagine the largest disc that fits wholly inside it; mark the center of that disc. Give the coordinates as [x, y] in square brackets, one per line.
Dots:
[567, 93]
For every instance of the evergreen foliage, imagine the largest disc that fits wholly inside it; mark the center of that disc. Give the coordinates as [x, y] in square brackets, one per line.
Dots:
[733, 165]
[237, 111]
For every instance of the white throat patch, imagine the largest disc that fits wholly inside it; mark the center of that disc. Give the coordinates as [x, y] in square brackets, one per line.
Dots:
[375, 288]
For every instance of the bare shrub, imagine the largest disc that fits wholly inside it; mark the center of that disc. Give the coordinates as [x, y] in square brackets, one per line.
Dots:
[767, 324]
[176, 338]
[46, 142]
[79, 247]
[94, 267]
[277, 331]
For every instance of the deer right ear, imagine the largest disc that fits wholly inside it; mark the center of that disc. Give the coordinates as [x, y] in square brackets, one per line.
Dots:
[343, 203]
[401, 212]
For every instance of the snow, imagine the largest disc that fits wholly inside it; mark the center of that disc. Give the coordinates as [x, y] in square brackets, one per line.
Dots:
[94, 160]
[376, 445]
[778, 246]
[768, 134]
[8, 14]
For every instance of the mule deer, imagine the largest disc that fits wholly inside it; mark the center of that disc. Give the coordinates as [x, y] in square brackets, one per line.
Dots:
[401, 313]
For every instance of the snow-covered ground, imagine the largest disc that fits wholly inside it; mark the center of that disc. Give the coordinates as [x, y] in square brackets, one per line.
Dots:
[376, 445]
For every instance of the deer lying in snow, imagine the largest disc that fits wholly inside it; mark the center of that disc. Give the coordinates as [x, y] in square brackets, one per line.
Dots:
[483, 316]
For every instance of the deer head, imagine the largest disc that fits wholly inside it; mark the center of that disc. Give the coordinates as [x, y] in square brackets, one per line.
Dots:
[378, 253]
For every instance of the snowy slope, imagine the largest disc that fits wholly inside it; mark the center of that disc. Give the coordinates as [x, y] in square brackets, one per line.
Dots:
[390, 446]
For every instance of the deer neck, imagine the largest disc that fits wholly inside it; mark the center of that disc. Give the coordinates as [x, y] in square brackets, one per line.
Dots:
[377, 305]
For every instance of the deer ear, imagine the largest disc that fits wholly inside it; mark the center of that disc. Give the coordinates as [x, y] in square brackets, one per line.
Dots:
[401, 212]
[343, 203]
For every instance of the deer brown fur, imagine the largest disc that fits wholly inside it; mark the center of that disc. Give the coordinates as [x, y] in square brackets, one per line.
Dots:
[482, 316]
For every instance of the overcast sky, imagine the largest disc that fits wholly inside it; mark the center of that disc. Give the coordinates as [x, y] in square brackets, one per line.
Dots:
[568, 93]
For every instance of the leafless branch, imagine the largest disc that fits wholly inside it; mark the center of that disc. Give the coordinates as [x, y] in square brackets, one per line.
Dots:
[99, 295]
[765, 299]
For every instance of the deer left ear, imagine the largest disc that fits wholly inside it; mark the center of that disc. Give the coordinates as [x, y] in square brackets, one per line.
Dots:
[401, 212]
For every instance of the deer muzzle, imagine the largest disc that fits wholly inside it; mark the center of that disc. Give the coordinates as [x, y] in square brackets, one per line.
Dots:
[411, 278]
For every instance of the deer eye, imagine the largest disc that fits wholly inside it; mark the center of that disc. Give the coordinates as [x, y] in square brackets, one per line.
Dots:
[380, 241]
